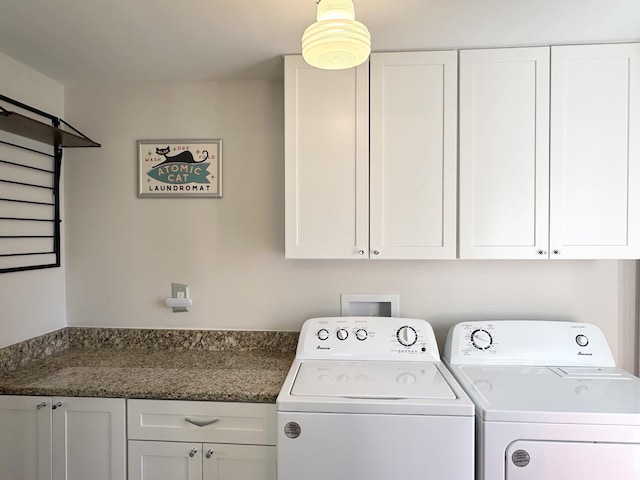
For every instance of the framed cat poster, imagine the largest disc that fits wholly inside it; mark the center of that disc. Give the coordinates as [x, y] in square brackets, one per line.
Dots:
[180, 168]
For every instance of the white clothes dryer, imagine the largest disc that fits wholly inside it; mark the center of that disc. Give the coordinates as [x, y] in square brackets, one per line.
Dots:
[367, 398]
[550, 402]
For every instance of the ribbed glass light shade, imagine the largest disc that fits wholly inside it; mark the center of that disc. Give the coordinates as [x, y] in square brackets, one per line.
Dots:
[336, 40]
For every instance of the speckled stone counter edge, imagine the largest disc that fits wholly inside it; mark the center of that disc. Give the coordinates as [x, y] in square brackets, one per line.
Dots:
[22, 353]
[212, 340]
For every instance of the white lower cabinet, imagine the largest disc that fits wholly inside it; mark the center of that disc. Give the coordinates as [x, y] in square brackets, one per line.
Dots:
[165, 460]
[25, 437]
[181, 440]
[89, 439]
[62, 438]
[150, 460]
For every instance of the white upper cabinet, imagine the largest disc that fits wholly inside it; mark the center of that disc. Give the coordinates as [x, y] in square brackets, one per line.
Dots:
[550, 153]
[408, 209]
[595, 151]
[413, 158]
[504, 153]
[548, 161]
[326, 115]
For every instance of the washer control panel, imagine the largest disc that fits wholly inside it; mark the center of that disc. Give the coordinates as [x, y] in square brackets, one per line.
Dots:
[367, 338]
[527, 342]
[481, 339]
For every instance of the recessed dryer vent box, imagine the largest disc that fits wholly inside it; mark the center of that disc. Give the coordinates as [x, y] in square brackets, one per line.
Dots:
[352, 304]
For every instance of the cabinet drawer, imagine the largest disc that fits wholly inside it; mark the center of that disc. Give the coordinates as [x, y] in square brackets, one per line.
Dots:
[217, 422]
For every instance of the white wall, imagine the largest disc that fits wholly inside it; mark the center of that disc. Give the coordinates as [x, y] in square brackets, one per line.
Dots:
[123, 252]
[33, 302]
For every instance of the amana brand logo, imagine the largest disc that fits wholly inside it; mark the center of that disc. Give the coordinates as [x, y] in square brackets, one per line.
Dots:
[320, 347]
[585, 354]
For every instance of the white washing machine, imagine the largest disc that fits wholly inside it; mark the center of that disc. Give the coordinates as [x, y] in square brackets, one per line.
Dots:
[367, 398]
[550, 402]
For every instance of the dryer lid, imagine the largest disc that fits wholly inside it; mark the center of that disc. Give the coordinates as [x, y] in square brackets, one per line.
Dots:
[545, 394]
[371, 380]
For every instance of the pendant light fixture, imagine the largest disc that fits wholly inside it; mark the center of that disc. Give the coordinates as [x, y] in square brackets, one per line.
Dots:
[336, 40]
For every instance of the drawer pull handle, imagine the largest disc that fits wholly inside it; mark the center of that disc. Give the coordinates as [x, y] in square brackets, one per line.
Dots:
[57, 405]
[209, 453]
[41, 405]
[193, 452]
[203, 423]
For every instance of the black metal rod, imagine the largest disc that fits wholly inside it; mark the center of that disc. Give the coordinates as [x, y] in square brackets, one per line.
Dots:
[29, 108]
[26, 219]
[57, 163]
[75, 129]
[27, 254]
[26, 166]
[26, 236]
[30, 202]
[26, 148]
[26, 184]
[28, 267]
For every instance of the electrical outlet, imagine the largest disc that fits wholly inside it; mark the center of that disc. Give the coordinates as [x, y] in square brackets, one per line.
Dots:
[179, 290]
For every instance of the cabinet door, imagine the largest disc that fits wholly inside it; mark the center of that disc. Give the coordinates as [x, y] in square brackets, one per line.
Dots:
[25, 438]
[239, 462]
[326, 161]
[504, 153]
[164, 461]
[413, 155]
[89, 439]
[595, 151]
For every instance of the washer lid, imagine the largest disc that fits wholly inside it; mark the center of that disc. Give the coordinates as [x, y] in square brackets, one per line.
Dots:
[371, 380]
[594, 395]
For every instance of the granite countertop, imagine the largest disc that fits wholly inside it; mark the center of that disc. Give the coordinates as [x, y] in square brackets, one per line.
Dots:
[207, 374]
[155, 374]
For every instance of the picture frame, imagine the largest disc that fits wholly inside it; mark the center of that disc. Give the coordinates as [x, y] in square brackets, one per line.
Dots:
[180, 168]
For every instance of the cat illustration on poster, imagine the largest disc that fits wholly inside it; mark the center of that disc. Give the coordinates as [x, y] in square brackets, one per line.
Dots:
[183, 157]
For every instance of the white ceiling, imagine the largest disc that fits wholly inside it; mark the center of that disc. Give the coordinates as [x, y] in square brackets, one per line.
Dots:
[98, 41]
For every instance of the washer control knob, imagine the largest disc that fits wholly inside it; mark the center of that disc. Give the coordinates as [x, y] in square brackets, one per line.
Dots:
[361, 334]
[481, 339]
[342, 334]
[407, 335]
[582, 340]
[323, 334]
